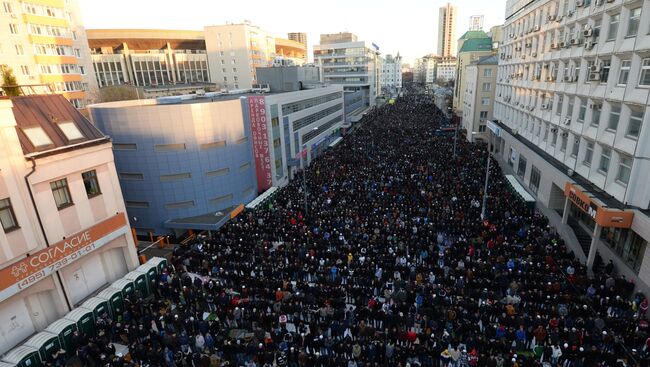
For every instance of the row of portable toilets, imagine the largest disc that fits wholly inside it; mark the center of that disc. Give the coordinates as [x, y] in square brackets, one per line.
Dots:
[37, 349]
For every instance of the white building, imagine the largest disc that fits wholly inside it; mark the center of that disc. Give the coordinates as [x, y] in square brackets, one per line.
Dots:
[235, 50]
[425, 70]
[391, 74]
[573, 99]
[446, 69]
[480, 78]
[344, 60]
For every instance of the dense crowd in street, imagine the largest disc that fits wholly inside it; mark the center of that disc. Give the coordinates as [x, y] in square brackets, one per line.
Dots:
[390, 264]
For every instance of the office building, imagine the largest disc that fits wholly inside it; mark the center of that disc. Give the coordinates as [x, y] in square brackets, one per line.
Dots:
[300, 38]
[64, 230]
[478, 104]
[291, 50]
[447, 17]
[149, 58]
[476, 23]
[235, 50]
[44, 42]
[343, 60]
[229, 148]
[573, 121]
[471, 46]
[391, 74]
[425, 70]
[446, 69]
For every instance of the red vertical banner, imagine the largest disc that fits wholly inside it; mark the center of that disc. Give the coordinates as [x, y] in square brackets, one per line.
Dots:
[261, 153]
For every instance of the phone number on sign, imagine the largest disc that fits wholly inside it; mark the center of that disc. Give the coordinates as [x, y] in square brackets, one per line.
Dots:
[56, 266]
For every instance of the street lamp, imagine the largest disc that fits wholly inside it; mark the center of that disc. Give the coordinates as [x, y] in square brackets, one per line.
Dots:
[487, 179]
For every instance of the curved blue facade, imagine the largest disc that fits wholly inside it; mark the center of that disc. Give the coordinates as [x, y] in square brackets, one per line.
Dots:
[181, 162]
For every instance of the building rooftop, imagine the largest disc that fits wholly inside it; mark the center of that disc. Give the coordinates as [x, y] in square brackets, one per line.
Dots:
[487, 60]
[49, 123]
[477, 44]
[146, 39]
[473, 34]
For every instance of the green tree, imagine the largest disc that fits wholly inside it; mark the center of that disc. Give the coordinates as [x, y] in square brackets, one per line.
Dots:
[9, 83]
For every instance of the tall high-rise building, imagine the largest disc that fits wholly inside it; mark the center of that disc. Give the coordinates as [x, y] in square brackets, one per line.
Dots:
[476, 23]
[44, 42]
[447, 30]
[573, 120]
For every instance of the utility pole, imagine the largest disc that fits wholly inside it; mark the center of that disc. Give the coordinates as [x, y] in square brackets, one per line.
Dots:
[455, 133]
[303, 154]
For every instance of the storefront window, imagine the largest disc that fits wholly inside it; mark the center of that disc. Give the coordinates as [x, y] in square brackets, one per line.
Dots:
[626, 244]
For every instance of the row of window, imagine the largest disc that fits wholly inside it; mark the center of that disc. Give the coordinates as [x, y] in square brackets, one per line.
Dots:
[219, 202]
[324, 127]
[61, 194]
[294, 107]
[50, 30]
[134, 176]
[310, 119]
[179, 146]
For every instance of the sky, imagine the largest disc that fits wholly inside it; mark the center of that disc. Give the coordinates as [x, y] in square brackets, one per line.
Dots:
[407, 26]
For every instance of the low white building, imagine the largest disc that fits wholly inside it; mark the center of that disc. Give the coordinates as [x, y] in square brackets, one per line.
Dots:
[446, 69]
[425, 70]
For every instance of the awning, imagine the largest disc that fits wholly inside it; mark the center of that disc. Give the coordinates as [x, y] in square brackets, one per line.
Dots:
[601, 214]
[260, 199]
[335, 142]
[206, 222]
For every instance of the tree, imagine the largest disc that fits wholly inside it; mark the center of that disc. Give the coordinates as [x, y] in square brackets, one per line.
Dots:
[117, 93]
[9, 83]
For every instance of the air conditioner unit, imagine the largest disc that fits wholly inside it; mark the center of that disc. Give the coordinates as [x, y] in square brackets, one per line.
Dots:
[594, 68]
[550, 79]
[576, 41]
[599, 2]
[553, 45]
[589, 45]
[553, 17]
[523, 57]
[588, 31]
[567, 78]
[554, 130]
[563, 44]
[518, 48]
[509, 57]
[545, 106]
[534, 54]
[580, 2]
[567, 121]
[570, 14]
[565, 134]
[503, 56]
[536, 28]
[529, 44]
[594, 76]
[511, 35]
[559, 18]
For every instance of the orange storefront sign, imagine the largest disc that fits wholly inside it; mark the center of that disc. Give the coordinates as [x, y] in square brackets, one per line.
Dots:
[604, 217]
[39, 265]
[236, 211]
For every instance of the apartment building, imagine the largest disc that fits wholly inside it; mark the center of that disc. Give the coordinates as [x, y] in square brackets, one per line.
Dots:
[425, 69]
[235, 50]
[471, 46]
[572, 111]
[64, 233]
[294, 51]
[300, 38]
[446, 68]
[447, 19]
[343, 60]
[44, 42]
[148, 57]
[478, 104]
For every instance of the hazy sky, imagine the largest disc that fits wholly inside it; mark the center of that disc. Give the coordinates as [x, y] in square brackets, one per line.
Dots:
[407, 26]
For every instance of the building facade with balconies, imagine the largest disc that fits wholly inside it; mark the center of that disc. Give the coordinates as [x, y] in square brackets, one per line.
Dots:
[480, 83]
[572, 103]
[44, 42]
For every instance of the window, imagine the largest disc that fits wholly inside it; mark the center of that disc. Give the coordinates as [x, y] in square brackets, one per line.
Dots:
[24, 69]
[91, 183]
[13, 28]
[242, 140]
[605, 157]
[483, 115]
[613, 26]
[213, 145]
[70, 130]
[124, 146]
[636, 119]
[7, 7]
[633, 22]
[61, 193]
[560, 103]
[485, 101]
[234, 70]
[487, 87]
[596, 29]
[244, 167]
[554, 137]
[175, 177]
[625, 72]
[77, 52]
[583, 110]
[131, 176]
[225, 79]
[37, 137]
[614, 116]
[74, 35]
[168, 147]
[569, 110]
[564, 141]
[576, 147]
[82, 70]
[589, 153]
[487, 72]
[219, 172]
[595, 116]
[136, 204]
[535, 176]
[604, 71]
[20, 50]
[521, 166]
[7, 216]
[645, 72]
[624, 169]
[627, 244]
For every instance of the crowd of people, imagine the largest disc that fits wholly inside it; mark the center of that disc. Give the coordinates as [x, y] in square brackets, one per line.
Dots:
[389, 264]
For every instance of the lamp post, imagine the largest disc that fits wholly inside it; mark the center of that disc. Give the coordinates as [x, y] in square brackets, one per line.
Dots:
[487, 179]
[303, 156]
[455, 133]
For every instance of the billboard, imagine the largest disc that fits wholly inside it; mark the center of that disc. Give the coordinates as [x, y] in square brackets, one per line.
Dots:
[261, 152]
[39, 265]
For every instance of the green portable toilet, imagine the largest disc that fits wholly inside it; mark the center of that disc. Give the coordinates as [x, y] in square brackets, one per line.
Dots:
[46, 343]
[151, 271]
[23, 356]
[160, 262]
[139, 281]
[99, 306]
[126, 286]
[64, 329]
[115, 301]
[84, 318]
